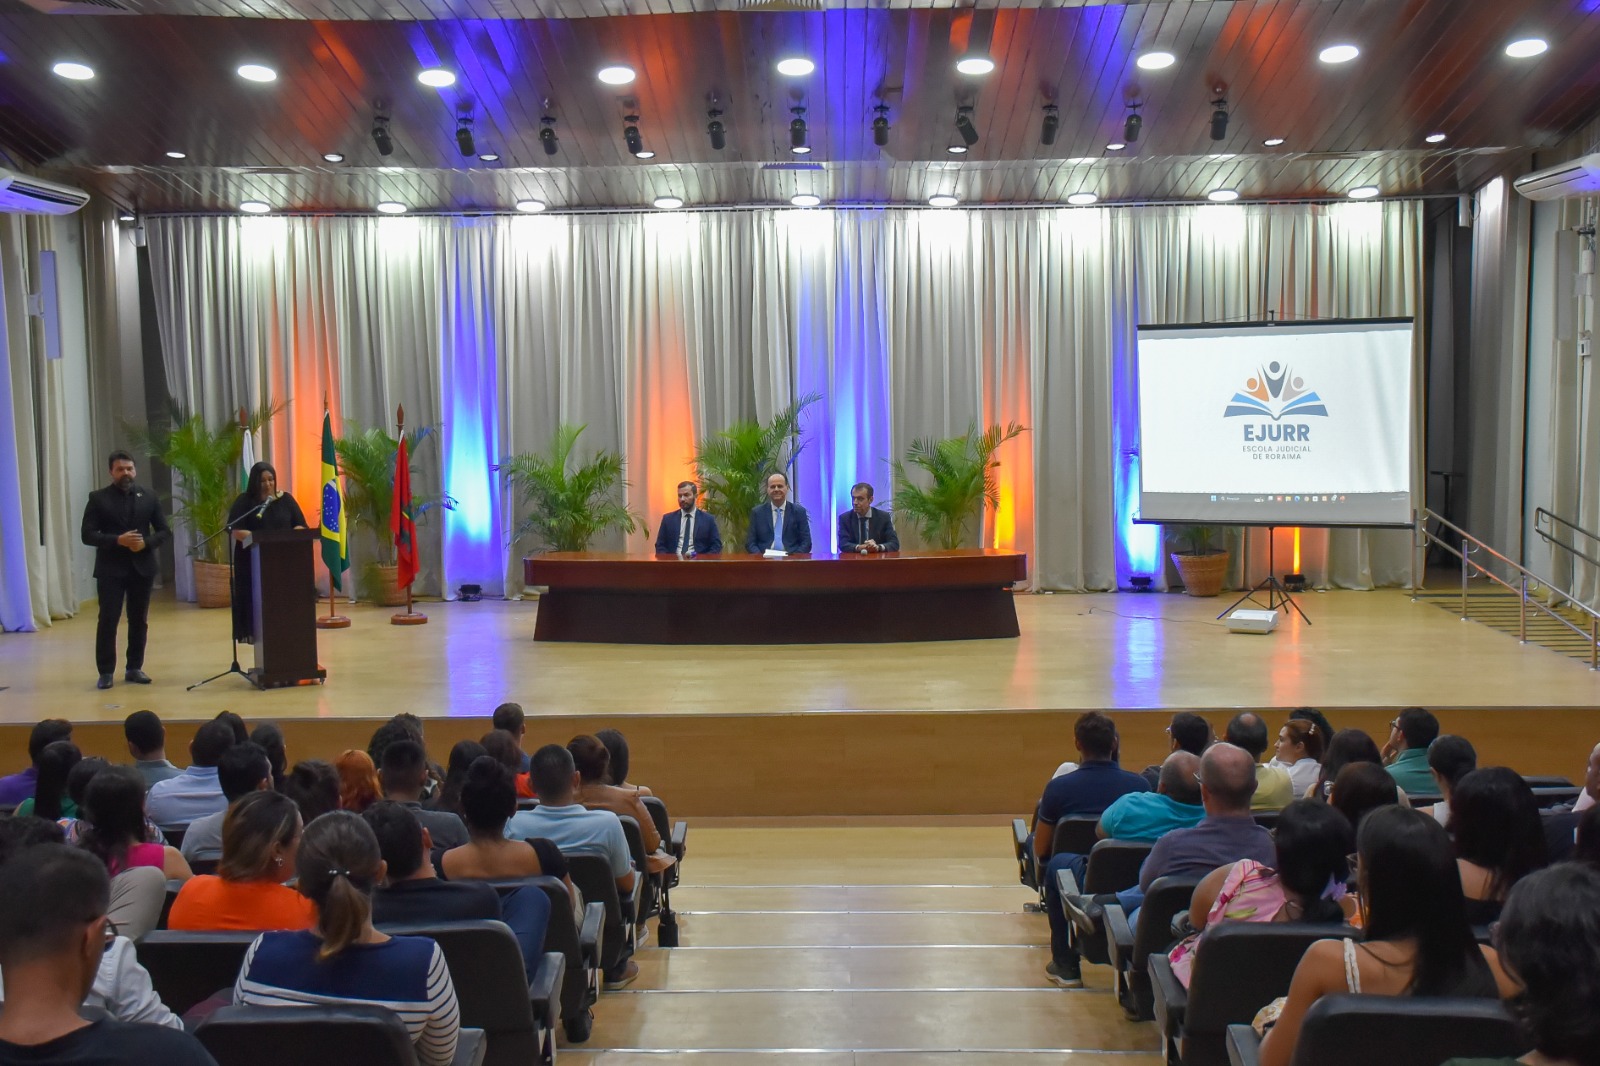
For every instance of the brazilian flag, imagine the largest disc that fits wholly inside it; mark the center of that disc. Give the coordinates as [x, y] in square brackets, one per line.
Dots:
[335, 541]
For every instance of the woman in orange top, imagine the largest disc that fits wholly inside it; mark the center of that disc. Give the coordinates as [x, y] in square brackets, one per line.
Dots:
[358, 781]
[260, 839]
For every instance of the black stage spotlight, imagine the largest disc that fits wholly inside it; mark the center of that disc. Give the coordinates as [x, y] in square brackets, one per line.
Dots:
[880, 126]
[547, 135]
[380, 135]
[1219, 119]
[1131, 126]
[797, 128]
[464, 137]
[716, 130]
[964, 126]
[630, 135]
[1052, 123]
[1294, 582]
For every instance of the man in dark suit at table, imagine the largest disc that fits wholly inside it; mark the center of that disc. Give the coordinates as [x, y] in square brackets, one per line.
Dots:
[688, 531]
[779, 524]
[865, 529]
[123, 524]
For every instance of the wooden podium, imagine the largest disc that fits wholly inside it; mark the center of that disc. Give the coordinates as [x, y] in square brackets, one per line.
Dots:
[283, 582]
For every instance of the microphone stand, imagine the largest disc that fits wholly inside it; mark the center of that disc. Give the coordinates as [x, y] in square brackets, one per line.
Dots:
[233, 667]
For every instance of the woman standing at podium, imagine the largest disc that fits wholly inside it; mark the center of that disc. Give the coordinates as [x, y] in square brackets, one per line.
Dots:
[259, 507]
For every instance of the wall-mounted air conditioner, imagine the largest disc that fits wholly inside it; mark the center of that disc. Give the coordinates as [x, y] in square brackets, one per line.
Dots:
[21, 194]
[1581, 177]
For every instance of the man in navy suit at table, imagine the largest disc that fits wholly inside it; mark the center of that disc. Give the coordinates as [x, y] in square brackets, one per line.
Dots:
[688, 531]
[864, 529]
[779, 524]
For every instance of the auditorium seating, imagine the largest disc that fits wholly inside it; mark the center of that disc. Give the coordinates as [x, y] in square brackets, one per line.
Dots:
[580, 948]
[1392, 1030]
[675, 838]
[1129, 948]
[368, 1036]
[1113, 866]
[187, 968]
[1075, 835]
[591, 875]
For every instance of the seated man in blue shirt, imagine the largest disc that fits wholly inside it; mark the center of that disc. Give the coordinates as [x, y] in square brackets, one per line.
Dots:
[196, 792]
[1146, 817]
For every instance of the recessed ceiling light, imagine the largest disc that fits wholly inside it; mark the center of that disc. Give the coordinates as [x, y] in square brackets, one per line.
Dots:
[616, 75]
[801, 149]
[942, 201]
[805, 199]
[255, 207]
[177, 155]
[490, 157]
[333, 157]
[530, 207]
[796, 66]
[975, 65]
[1434, 138]
[1363, 192]
[257, 72]
[1156, 60]
[73, 71]
[1527, 47]
[668, 203]
[1222, 196]
[1082, 199]
[1338, 53]
[1115, 146]
[957, 149]
[389, 207]
[644, 153]
[1273, 142]
[437, 78]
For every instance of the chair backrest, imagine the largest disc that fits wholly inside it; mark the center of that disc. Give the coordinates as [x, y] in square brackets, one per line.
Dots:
[635, 837]
[1556, 795]
[591, 874]
[1424, 799]
[204, 866]
[1405, 1031]
[187, 968]
[1240, 967]
[491, 982]
[1167, 896]
[1114, 866]
[561, 935]
[1075, 835]
[271, 1036]
[1559, 827]
[658, 815]
[1266, 819]
[1546, 781]
[175, 834]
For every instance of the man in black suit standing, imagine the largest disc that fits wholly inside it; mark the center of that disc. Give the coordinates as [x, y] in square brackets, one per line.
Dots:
[688, 531]
[779, 524]
[123, 524]
[864, 529]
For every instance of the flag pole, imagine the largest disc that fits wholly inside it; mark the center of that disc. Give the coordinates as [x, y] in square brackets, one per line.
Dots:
[408, 617]
[333, 620]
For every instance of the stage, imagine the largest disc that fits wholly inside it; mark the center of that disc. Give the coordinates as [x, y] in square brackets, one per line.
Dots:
[962, 727]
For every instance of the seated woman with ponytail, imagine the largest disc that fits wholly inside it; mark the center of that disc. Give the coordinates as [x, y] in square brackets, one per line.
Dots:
[344, 959]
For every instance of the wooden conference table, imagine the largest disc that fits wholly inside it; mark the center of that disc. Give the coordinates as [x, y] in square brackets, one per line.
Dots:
[613, 598]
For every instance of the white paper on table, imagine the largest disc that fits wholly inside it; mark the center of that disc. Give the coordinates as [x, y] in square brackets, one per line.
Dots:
[773, 553]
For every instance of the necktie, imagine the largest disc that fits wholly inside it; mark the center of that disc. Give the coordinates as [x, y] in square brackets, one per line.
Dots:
[862, 539]
[777, 529]
[685, 528]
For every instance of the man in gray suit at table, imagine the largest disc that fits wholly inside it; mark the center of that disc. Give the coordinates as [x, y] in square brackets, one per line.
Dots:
[779, 524]
[865, 529]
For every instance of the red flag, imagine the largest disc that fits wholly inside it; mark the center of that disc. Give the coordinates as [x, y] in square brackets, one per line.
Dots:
[400, 523]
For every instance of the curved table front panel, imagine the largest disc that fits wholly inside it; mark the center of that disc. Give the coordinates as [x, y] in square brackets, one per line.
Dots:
[613, 598]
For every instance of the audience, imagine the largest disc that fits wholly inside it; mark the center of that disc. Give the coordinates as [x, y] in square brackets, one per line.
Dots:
[1450, 758]
[400, 727]
[1186, 732]
[1148, 816]
[19, 786]
[243, 769]
[1498, 838]
[1305, 883]
[235, 725]
[260, 840]
[1088, 790]
[194, 793]
[147, 743]
[55, 943]
[78, 779]
[502, 747]
[1362, 788]
[1591, 783]
[404, 774]
[488, 801]
[592, 759]
[113, 825]
[1587, 837]
[1273, 788]
[269, 738]
[462, 756]
[1416, 942]
[343, 959]
[509, 718]
[1348, 746]
[1316, 718]
[1299, 754]
[1406, 753]
[314, 787]
[50, 799]
[617, 775]
[358, 781]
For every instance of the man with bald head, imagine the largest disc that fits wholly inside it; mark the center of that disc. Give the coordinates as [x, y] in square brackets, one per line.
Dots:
[1148, 816]
[1274, 790]
[780, 524]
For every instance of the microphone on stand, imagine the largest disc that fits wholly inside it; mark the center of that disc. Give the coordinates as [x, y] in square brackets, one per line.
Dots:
[266, 503]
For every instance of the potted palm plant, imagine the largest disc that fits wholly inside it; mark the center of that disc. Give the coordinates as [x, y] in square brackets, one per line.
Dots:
[1202, 564]
[366, 459]
[569, 503]
[961, 475]
[733, 465]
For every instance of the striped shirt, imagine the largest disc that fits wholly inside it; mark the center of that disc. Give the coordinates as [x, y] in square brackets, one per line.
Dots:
[407, 974]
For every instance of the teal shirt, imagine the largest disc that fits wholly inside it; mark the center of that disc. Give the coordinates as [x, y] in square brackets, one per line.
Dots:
[1147, 816]
[1410, 771]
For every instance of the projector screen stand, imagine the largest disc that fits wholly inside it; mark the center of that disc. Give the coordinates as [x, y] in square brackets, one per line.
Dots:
[1277, 594]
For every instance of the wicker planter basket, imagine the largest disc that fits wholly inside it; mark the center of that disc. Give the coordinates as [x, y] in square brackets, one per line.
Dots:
[1202, 574]
[211, 587]
[381, 584]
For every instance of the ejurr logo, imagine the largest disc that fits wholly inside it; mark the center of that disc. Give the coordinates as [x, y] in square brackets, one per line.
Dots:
[1274, 392]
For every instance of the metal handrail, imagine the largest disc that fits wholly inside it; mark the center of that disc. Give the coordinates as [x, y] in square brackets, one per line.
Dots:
[1527, 581]
[1550, 538]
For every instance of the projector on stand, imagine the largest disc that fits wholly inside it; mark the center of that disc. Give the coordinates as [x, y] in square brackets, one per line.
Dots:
[1245, 621]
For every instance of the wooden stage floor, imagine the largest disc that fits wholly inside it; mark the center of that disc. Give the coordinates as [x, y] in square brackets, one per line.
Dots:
[908, 716]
